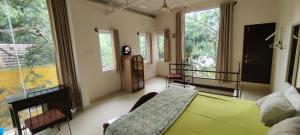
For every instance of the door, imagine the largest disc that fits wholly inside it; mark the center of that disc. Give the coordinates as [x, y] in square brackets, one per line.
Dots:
[257, 55]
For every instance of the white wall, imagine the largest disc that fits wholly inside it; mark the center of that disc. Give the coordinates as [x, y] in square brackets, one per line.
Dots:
[162, 22]
[288, 16]
[246, 12]
[84, 16]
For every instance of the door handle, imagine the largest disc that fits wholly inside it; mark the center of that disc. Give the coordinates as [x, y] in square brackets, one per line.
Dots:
[247, 61]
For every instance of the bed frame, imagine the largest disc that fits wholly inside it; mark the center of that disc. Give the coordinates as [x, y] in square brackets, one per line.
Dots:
[189, 78]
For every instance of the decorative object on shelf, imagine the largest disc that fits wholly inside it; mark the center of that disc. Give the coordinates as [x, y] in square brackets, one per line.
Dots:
[126, 50]
[133, 73]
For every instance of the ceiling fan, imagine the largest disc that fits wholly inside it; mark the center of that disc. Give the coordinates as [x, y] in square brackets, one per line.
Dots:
[165, 7]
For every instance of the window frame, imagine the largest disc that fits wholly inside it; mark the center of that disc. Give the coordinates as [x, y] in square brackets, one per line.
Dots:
[50, 71]
[147, 60]
[113, 49]
[158, 36]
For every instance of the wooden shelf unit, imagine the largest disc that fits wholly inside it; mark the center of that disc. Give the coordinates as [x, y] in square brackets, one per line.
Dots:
[133, 78]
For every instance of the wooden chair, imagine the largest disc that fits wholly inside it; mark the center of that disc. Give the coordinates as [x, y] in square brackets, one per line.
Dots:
[176, 72]
[48, 118]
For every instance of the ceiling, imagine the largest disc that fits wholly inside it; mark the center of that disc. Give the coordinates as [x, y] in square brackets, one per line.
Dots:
[150, 7]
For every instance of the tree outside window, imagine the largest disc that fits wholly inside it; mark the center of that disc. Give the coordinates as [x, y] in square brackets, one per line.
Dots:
[143, 46]
[106, 50]
[161, 47]
[201, 40]
[27, 58]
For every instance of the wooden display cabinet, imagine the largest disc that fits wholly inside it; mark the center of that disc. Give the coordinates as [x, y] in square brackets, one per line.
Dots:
[133, 73]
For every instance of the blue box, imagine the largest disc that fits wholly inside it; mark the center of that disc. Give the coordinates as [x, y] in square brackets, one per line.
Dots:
[2, 131]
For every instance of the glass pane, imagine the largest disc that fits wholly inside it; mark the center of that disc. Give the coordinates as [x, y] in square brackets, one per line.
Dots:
[161, 40]
[27, 59]
[143, 46]
[106, 48]
[201, 40]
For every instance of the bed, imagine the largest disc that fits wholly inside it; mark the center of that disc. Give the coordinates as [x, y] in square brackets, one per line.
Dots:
[205, 114]
[210, 114]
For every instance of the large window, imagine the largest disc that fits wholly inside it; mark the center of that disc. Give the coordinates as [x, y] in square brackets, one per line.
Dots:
[27, 59]
[106, 50]
[201, 39]
[161, 47]
[143, 46]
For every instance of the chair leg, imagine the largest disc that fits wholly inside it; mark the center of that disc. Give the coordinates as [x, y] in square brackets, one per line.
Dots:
[58, 127]
[166, 82]
[24, 129]
[69, 128]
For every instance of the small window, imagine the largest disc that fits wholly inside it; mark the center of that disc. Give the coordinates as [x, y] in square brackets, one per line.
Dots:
[161, 47]
[106, 50]
[143, 46]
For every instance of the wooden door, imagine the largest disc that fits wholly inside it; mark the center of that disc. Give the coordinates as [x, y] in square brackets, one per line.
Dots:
[257, 55]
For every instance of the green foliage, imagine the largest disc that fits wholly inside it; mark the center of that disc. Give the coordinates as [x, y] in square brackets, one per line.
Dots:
[1, 90]
[143, 46]
[27, 22]
[201, 36]
[161, 40]
[106, 48]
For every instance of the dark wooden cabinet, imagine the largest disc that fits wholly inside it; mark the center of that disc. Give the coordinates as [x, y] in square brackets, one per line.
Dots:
[133, 73]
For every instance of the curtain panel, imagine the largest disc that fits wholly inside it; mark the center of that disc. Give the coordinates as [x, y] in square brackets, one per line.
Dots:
[179, 39]
[224, 58]
[64, 49]
[167, 45]
[117, 50]
[149, 45]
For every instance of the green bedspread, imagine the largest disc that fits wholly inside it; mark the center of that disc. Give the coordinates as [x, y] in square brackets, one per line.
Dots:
[211, 114]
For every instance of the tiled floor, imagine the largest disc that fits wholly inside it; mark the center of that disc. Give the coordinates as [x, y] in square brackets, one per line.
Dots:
[89, 122]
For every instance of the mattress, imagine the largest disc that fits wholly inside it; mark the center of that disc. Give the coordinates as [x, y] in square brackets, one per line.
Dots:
[210, 114]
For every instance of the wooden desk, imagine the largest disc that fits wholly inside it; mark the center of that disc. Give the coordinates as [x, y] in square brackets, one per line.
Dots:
[53, 98]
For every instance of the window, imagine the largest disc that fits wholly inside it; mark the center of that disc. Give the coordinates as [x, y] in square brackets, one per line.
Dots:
[106, 50]
[27, 58]
[161, 46]
[143, 46]
[201, 39]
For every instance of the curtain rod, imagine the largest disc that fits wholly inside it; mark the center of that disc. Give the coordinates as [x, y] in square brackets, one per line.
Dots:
[98, 29]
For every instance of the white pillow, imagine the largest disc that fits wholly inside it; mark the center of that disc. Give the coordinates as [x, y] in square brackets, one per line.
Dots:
[262, 100]
[289, 126]
[276, 108]
[294, 97]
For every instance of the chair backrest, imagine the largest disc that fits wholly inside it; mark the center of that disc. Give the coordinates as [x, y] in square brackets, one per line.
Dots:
[178, 68]
[42, 97]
